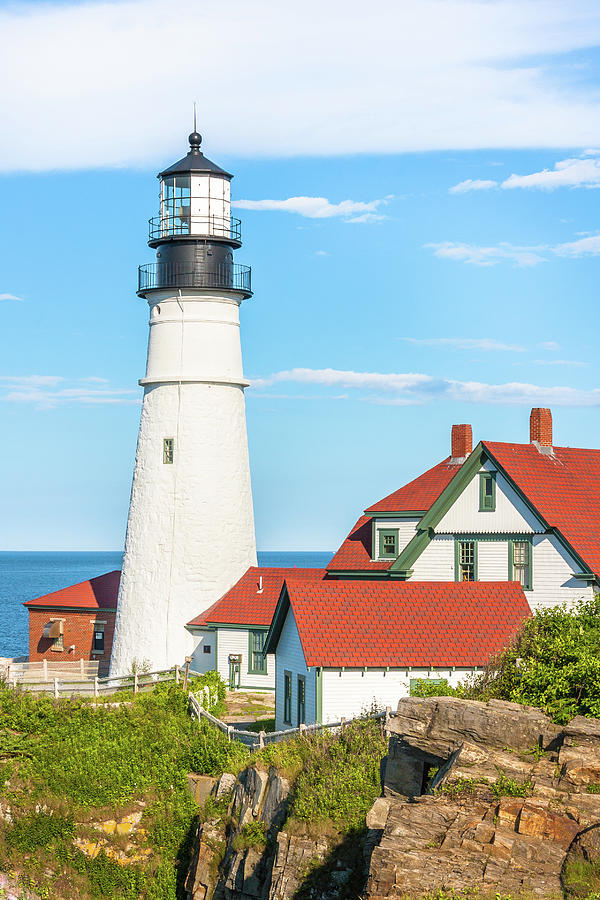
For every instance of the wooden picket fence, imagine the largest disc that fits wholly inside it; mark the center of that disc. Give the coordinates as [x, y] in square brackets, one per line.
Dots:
[60, 682]
[258, 740]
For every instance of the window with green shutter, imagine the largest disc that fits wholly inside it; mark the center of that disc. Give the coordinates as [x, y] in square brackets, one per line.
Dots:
[257, 663]
[487, 492]
[287, 698]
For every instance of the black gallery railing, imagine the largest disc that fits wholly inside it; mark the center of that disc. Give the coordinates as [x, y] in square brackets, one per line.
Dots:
[232, 276]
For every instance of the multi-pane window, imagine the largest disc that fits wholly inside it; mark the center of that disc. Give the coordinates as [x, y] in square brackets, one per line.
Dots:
[168, 451]
[466, 559]
[521, 563]
[287, 698]
[487, 492]
[257, 663]
[388, 544]
[301, 700]
[98, 641]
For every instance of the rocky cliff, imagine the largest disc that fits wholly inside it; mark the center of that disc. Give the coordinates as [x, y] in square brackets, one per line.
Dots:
[491, 796]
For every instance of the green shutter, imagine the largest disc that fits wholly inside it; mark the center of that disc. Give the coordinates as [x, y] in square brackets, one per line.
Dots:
[487, 492]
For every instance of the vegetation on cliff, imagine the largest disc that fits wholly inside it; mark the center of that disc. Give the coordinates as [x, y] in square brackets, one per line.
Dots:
[554, 664]
[111, 777]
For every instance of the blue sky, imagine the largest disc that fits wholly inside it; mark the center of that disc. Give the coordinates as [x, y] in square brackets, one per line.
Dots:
[403, 279]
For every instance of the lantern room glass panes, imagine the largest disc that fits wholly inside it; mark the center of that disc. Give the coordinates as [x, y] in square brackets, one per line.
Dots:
[175, 205]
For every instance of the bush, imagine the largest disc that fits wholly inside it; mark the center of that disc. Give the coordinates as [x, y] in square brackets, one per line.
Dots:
[426, 687]
[212, 753]
[38, 831]
[554, 664]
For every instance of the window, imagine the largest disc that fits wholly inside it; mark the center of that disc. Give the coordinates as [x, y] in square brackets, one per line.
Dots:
[98, 642]
[175, 205]
[58, 643]
[466, 561]
[301, 700]
[287, 698]
[54, 629]
[487, 492]
[520, 563]
[388, 543]
[257, 663]
[207, 648]
[168, 451]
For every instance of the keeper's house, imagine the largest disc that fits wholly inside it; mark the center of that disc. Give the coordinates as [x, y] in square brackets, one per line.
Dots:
[343, 648]
[75, 623]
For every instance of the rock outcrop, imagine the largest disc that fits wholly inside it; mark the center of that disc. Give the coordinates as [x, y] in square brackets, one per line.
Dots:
[492, 795]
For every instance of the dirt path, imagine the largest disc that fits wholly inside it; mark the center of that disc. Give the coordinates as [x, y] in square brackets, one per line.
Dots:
[244, 707]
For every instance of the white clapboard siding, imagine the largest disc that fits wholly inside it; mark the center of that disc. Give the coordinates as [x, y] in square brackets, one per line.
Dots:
[233, 640]
[511, 513]
[406, 532]
[553, 570]
[492, 560]
[436, 562]
[354, 692]
[202, 661]
[290, 657]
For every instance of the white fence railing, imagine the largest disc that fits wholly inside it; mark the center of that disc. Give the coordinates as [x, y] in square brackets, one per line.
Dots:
[62, 684]
[46, 669]
[258, 740]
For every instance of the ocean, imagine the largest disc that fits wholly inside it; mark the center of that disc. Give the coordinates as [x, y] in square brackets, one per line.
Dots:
[24, 576]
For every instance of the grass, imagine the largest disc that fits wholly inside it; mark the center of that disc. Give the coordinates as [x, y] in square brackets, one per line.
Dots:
[66, 765]
[581, 879]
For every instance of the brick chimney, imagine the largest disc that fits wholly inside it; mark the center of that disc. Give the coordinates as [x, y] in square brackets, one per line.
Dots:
[540, 427]
[462, 442]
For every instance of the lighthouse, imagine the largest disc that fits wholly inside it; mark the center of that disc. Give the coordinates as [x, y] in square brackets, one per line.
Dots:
[190, 531]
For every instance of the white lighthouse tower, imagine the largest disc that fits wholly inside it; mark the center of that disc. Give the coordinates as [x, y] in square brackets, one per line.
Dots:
[190, 533]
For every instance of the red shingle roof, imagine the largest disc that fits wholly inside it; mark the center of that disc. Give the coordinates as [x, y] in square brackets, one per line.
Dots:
[420, 494]
[564, 488]
[244, 605]
[355, 552]
[97, 593]
[383, 623]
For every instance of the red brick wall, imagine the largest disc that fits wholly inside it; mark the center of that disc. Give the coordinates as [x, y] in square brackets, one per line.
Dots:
[462, 441]
[78, 630]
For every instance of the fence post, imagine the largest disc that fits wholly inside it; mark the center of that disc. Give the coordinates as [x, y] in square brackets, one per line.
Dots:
[45, 667]
[261, 739]
[388, 712]
[8, 674]
[81, 665]
[186, 676]
[136, 686]
[342, 723]
[56, 694]
[176, 674]
[229, 732]
[302, 727]
[95, 685]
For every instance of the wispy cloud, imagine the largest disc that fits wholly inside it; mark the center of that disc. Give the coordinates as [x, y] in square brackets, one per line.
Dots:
[575, 172]
[403, 389]
[302, 91]
[320, 208]
[48, 392]
[10, 297]
[559, 362]
[476, 255]
[464, 343]
[549, 345]
[471, 184]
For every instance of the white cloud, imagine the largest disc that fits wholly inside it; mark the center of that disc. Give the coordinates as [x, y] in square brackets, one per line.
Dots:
[559, 362]
[412, 388]
[43, 391]
[571, 173]
[488, 256]
[319, 208]
[10, 297]
[464, 343]
[549, 345]
[471, 184]
[104, 84]
[475, 255]
[322, 253]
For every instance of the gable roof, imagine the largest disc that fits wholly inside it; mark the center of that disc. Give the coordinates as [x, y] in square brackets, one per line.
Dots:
[355, 552]
[96, 593]
[563, 487]
[418, 495]
[245, 604]
[400, 623]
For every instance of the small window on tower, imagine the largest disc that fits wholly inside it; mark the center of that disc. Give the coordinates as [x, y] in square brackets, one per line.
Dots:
[168, 450]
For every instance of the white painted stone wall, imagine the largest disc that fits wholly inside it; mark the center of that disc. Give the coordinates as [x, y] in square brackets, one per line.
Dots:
[190, 533]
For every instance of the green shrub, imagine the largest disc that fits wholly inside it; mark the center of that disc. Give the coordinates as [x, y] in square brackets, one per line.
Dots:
[107, 878]
[426, 687]
[37, 831]
[212, 753]
[340, 778]
[504, 786]
[252, 835]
